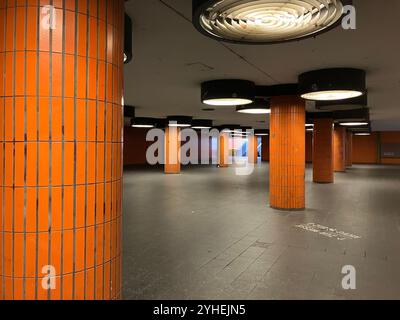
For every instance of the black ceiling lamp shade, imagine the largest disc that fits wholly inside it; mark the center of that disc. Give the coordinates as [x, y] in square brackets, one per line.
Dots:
[128, 46]
[143, 122]
[261, 132]
[228, 92]
[348, 104]
[259, 106]
[202, 124]
[332, 84]
[266, 21]
[179, 121]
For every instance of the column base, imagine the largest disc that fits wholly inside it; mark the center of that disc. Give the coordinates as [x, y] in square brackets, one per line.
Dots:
[283, 209]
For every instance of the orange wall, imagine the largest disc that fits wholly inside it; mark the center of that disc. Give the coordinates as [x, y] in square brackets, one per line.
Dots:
[135, 146]
[309, 146]
[390, 137]
[365, 149]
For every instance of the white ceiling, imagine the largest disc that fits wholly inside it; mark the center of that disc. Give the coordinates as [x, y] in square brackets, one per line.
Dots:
[171, 59]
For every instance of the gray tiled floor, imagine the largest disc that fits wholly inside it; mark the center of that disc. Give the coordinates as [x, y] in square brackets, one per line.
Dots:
[209, 234]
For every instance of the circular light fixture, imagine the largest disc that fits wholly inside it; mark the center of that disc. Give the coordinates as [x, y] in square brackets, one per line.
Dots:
[354, 124]
[309, 125]
[266, 21]
[261, 132]
[202, 124]
[227, 92]
[332, 84]
[179, 121]
[143, 122]
[260, 106]
[362, 134]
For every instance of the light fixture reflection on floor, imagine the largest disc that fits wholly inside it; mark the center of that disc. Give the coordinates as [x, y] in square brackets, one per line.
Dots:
[332, 84]
[259, 106]
[227, 92]
[266, 21]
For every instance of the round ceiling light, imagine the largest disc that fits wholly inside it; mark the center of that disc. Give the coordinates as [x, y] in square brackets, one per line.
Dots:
[266, 21]
[179, 121]
[227, 92]
[362, 134]
[332, 84]
[199, 124]
[260, 106]
[143, 122]
[261, 132]
[354, 124]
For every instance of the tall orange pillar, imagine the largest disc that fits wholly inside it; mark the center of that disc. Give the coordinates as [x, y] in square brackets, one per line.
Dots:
[323, 151]
[61, 121]
[223, 150]
[172, 150]
[252, 149]
[287, 153]
[349, 149]
[339, 154]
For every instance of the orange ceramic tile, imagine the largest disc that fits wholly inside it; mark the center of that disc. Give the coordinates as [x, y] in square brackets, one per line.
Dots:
[92, 79]
[31, 163]
[69, 76]
[19, 250]
[56, 209]
[81, 120]
[9, 164]
[91, 121]
[107, 281]
[20, 29]
[102, 34]
[81, 77]
[69, 120]
[31, 203]
[92, 37]
[19, 119]
[31, 65]
[56, 65]
[69, 166]
[68, 219]
[57, 32]
[80, 207]
[10, 32]
[89, 283]
[8, 254]
[43, 209]
[44, 74]
[99, 283]
[68, 254]
[44, 164]
[19, 164]
[100, 162]
[79, 285]
[80, 163]
[67, 287]
[56, 132]
[79, 250]
[91, 193]
[19, 74]
[32, 23]
[19, 223]
[56, 164]
[99, 244]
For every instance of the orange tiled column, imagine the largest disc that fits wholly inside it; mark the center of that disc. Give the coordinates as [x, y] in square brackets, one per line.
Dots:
[61, 122]
[323, 151]
[349, 149]
[252, 149]
[339, 153]
[172, 150]
[287, 153]
[223, 150]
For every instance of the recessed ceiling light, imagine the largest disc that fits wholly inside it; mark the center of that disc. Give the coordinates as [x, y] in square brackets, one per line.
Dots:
[332, 84]
[261, 132]
[142, 122]
[227, 92]
[266, 21]
[354, 124]
[179, 121]
[362, 134]
[309, 125]
[202, 124]
[260, 106]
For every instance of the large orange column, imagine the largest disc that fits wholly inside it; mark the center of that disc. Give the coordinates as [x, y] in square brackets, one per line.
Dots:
[323, 151]
[252, 149]
[349, 149]
[223, 150]
[287, 153]
[172, 150]
[61, 123]
[339, 154]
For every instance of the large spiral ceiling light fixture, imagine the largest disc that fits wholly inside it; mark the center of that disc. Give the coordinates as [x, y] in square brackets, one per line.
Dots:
[266, 21]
